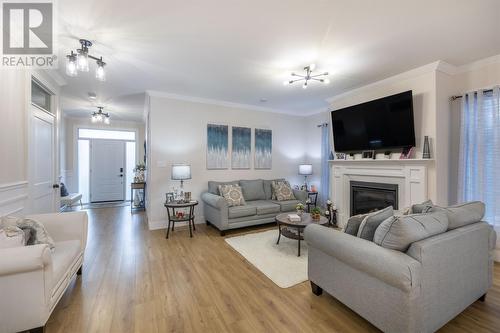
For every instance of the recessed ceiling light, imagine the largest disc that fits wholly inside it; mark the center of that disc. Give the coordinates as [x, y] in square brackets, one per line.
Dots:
[263, 100]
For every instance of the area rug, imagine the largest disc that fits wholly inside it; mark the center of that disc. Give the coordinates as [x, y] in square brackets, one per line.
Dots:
[278, 262]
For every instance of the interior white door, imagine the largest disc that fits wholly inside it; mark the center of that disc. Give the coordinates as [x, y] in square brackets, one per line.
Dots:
[42, 162]
[107, 170]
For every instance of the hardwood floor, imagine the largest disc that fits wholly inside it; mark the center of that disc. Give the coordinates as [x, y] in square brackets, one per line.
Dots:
[135, 280]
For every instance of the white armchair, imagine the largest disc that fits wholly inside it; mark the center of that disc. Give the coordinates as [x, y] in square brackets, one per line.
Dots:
[33, 278]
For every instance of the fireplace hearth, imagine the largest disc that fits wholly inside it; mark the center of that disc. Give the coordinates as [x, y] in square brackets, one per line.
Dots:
[368, 197]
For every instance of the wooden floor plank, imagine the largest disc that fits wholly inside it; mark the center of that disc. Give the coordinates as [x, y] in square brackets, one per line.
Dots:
[135, 280]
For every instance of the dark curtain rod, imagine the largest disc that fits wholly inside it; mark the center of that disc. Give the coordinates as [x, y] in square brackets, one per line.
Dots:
[459, 96]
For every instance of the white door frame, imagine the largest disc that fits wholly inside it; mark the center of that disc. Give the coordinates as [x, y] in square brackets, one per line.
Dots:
[124, 142]
[35, 111]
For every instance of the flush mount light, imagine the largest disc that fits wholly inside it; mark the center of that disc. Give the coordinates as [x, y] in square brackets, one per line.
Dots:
[100, 117]
[308, 77]
[79, 61]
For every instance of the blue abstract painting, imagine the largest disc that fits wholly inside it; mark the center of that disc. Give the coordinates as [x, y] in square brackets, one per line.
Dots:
[241, 152]
[263, 149]
[217, 147]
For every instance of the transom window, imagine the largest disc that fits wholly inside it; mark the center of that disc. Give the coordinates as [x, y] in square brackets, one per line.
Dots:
[86, 133]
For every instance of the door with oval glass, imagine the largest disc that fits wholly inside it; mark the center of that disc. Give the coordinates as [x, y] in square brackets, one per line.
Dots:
[107, 170]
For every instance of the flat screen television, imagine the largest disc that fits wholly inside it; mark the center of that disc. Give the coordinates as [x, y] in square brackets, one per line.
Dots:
[383, 123]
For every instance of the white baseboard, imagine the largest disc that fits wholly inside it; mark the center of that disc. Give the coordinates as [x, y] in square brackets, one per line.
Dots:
[162, 224]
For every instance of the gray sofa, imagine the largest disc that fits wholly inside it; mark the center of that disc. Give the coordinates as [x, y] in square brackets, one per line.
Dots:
[259, 207]
[419, 290]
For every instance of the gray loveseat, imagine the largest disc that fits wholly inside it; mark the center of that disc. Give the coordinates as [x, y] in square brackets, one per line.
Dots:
[418, 290]
[259, 207]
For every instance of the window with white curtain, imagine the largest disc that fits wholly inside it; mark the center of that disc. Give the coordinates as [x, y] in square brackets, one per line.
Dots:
[479, 169]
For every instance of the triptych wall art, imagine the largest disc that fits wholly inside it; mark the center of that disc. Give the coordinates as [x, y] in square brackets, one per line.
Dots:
[241, 147]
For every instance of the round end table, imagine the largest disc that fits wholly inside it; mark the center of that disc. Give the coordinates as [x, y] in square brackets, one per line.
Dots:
[172, 218]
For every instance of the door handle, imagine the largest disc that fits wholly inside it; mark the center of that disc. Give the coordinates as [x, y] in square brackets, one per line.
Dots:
[55, 186]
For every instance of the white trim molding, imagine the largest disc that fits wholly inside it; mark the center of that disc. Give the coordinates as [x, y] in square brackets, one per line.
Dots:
[13, 198]
[154, 93]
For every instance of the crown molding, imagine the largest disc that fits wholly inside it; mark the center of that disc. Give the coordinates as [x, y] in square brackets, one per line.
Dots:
[479, 64]
[155, 93]
[412, 73]
[58, 78]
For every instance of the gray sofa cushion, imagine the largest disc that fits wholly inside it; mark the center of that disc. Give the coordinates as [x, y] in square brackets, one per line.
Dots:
[419, 208]
[287, 205]
[213, 187]
[399, 232]
[372, 221]
[264, 207]
[353, 224]
[462, 214]
[268, 188]
[241, 211]
[253, 189]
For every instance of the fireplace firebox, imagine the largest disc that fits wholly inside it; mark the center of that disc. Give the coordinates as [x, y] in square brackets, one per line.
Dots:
[368, 197]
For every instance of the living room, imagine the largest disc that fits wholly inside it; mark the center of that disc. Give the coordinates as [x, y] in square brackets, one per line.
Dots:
[306, 167]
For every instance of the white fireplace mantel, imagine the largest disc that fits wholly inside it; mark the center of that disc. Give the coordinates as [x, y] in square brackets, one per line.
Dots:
[410, 175]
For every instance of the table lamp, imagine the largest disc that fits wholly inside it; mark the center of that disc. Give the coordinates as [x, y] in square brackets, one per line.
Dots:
[305, 170]
[181, 172]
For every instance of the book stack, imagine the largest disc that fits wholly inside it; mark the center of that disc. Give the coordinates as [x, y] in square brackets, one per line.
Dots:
[293, 218]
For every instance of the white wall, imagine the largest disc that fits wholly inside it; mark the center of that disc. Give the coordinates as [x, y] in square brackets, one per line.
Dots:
[13, 142]
[177, 131]
[15, 99]
[69, 144]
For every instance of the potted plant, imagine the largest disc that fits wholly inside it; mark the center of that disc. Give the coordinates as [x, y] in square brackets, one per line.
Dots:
[315, 213]
[299, 208]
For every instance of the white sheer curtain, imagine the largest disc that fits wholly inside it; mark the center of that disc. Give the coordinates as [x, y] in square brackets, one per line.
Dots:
[479, 169]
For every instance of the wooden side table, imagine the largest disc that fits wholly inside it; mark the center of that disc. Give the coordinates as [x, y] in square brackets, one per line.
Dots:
[189, 218]
[138, 187]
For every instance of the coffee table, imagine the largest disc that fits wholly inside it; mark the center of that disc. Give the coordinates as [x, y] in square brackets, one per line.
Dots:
[294, 230]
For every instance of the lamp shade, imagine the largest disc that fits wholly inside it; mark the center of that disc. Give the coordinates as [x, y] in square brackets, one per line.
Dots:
[305, 169]
[181, 171]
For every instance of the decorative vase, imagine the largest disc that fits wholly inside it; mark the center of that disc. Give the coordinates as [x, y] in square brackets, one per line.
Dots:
[315, 216]
[139, 176]
[300, 212]
[427, 150]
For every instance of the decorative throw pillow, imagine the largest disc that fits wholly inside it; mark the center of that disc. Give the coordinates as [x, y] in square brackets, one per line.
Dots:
[64, 190]
[283, 191]
[39, 234]
[353, 224]
[11, 237]
[399, 232]
[419, 208]
[277, 181]
[462, 214]
[372, 221]
[232, 194]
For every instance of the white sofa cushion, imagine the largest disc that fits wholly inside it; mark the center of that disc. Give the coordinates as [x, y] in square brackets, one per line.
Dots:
[62, 258]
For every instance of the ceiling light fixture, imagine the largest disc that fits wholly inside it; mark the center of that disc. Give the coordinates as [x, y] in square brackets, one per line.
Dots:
[79, 61]
[308, 77]
[100, 117]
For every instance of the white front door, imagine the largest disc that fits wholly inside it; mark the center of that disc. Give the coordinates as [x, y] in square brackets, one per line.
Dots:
[107, 170]
[42, 162]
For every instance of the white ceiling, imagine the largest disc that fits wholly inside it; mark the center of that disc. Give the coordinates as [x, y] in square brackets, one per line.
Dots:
[241, 51]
